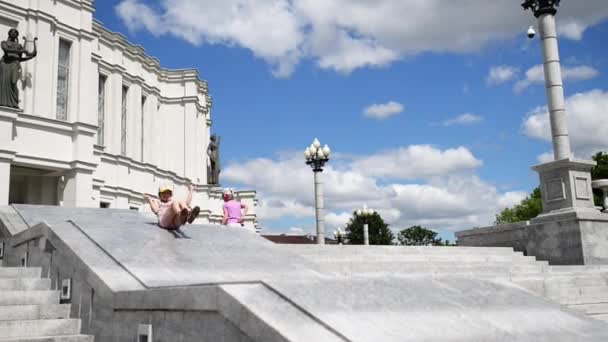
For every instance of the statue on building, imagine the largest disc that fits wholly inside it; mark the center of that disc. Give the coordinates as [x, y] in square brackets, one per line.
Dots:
[10, 67]
[213, 151]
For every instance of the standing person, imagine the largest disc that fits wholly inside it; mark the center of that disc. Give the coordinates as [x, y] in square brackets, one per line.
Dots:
[234, 212]
[172, 213]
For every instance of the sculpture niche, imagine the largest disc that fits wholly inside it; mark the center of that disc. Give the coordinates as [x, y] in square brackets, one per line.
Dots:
[10, 67]
[213, 151]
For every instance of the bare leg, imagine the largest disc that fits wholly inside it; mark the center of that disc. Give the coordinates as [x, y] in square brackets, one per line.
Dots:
[180, 211]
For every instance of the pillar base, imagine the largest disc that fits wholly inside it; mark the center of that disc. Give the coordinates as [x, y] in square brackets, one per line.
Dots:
[565, 185]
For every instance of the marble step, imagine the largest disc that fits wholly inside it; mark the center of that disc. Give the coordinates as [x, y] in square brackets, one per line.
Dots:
[24, 284]
[40, 327]
[446, 269]
[20, 272]
[575, 280]
[591, 309]
[65, 338]
[31, 312]
[28, 297]
[425, 258]
[601, 317]
[579, 295]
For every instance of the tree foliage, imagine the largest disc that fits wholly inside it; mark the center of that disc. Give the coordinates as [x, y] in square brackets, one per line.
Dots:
[379, 233]
[419, 236]
[529, 208]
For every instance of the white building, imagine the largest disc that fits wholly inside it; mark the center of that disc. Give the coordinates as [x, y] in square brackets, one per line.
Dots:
[100, 122]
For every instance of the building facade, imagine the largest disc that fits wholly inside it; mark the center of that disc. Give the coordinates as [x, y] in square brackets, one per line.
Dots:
[99, 121]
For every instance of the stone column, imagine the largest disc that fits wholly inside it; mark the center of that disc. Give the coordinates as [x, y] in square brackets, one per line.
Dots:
[319, 208]
[5, 179]
[78, 189]
[554, 85]
[366, 234]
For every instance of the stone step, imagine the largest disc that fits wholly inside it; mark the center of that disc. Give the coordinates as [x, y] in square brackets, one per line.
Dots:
[591, 309]
[579, 295]
[20, 272]
[575, 280]
[28, 297]
[601, 317]
[395, 250]
[68, 338]
[447, 269]
[40, 327]
[31, 312]
[424, 258]
[24, 284]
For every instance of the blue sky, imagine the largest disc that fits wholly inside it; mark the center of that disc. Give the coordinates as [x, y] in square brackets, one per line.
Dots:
[459, 144]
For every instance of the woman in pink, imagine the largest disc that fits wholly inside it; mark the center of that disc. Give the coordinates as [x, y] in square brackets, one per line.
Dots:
[172, 213]
[232, 210]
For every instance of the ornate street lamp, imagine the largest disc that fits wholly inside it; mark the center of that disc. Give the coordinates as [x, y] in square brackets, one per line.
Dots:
[316, 157]
[365, 213]
[339, 236]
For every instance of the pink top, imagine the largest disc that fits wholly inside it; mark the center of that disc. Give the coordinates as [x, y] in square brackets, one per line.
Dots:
[233, 208]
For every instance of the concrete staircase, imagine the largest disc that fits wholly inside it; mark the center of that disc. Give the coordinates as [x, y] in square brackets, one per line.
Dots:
[583, 288]
[30, 311]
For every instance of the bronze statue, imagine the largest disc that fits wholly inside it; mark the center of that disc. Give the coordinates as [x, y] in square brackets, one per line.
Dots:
[213, 151]
[10, 68]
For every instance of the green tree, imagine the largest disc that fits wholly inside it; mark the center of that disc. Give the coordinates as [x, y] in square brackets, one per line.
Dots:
[379, 233]
[529, 207]
[419, 236]
[600, 171]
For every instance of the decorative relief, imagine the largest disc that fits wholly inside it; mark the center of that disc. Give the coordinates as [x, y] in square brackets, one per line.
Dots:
[581, 185]
[555, 189]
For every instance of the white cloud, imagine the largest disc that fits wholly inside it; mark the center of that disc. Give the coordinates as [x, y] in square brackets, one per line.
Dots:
[501, 74]
[344, 35]
[535, 75]
[442, 191]
[464, 119]
[416, 162]
[383, 111]
[586, 122]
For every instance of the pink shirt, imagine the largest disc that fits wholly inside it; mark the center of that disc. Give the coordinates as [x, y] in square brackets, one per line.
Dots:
[233, 208]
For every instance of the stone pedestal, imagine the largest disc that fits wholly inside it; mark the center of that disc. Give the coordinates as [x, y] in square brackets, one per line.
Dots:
[565, 185]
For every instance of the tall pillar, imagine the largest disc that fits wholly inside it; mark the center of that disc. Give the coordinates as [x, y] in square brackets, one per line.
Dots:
[319, 206]
[5, 179]
[555, 87]
[565, 183]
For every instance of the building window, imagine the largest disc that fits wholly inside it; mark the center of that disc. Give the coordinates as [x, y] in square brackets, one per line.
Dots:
[143, 130]
[104, 205]
[63, 77]
[123, 122]
[101, 109]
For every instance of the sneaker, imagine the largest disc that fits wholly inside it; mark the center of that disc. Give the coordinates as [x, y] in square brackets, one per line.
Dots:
[194, 214]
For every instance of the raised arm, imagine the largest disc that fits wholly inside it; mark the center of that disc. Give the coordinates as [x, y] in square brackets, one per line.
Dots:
[152, 202]
[190, 191]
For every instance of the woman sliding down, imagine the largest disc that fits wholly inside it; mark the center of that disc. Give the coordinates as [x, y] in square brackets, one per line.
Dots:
[171, 213]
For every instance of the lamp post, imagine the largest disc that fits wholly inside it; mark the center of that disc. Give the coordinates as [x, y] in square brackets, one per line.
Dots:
[565, 182]
[365, 212]
[545, 11]
[339, 236]
[316, 157]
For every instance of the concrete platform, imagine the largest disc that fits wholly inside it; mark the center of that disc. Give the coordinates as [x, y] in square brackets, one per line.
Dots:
[234, 283]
